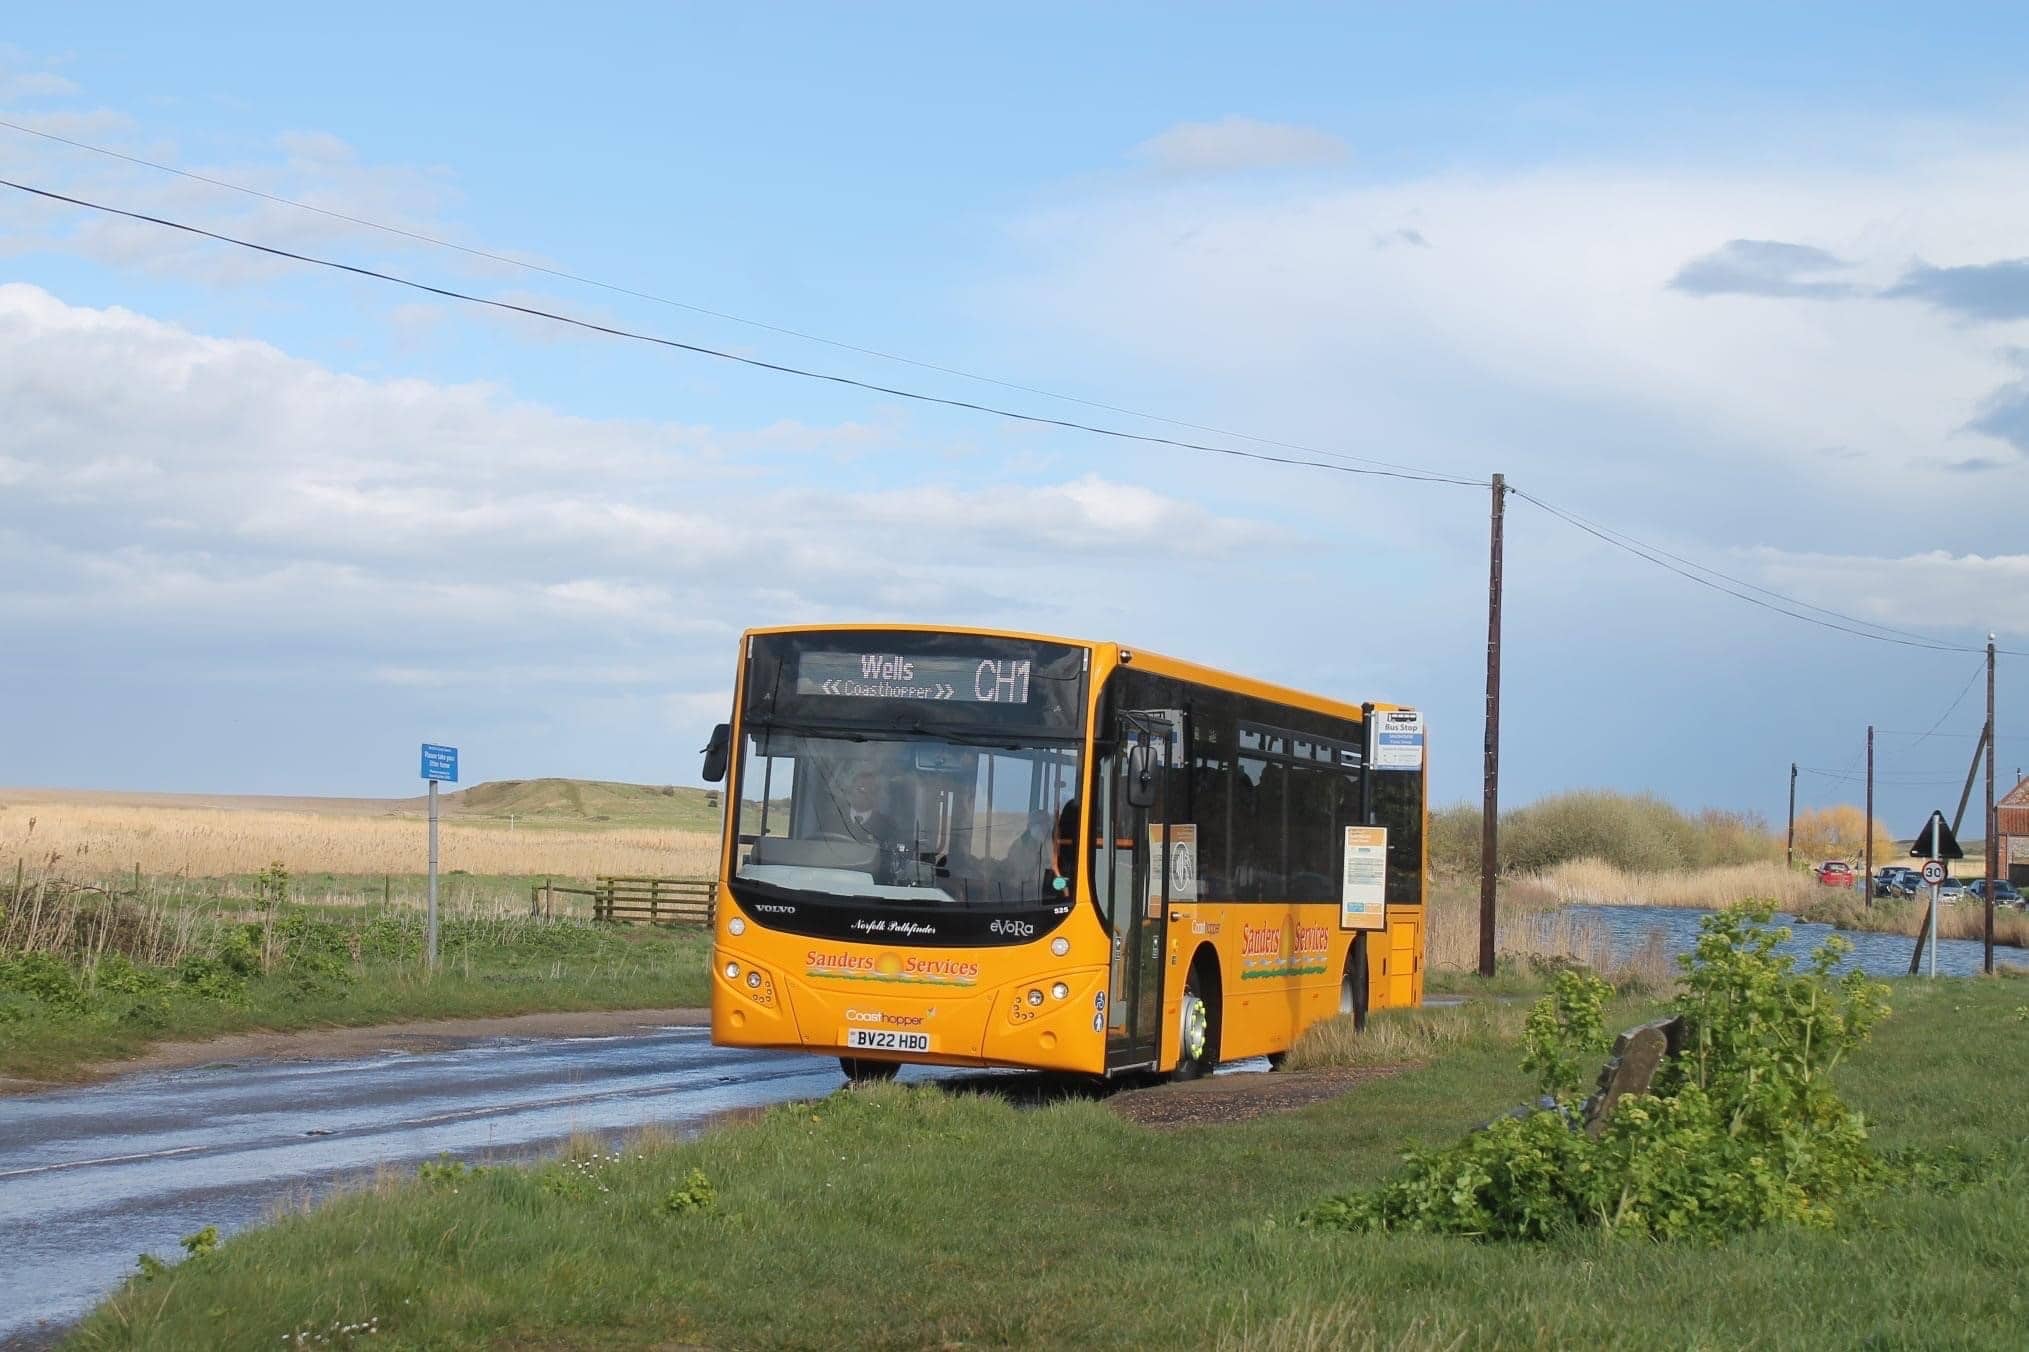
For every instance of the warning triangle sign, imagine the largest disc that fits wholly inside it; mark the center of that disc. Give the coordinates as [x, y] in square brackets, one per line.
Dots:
[1936, 841]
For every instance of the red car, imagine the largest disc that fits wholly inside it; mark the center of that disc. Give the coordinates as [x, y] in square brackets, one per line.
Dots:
[1835, 873]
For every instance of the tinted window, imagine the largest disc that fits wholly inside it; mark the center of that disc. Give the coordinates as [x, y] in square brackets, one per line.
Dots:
[1398, 805]
[1314, 840]
[1271, 790]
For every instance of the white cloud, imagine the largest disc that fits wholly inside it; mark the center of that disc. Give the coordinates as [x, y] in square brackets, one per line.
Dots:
[34, 84]
[1234, 144]
[1931, 590]
[173, 488]
[1540, 335]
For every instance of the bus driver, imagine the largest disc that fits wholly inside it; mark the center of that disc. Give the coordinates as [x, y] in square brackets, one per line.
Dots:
[864, 820]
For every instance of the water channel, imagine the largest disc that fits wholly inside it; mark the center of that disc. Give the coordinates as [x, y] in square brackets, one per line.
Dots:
[1629, 928]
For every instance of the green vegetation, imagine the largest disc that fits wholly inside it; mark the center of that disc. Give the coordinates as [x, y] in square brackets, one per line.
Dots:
[1637, 832]
[538, 803]
[895, 1217]
[86, 977]
[1743, 1130]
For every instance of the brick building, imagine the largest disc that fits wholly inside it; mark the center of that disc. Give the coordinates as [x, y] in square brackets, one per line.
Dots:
[2011, 824]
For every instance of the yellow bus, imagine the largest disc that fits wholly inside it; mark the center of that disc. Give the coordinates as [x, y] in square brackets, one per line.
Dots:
[970, 847]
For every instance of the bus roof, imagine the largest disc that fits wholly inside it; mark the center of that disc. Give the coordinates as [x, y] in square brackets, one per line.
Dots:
[1143, 660]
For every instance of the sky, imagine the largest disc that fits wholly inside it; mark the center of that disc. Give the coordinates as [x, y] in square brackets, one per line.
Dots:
[1749, 285]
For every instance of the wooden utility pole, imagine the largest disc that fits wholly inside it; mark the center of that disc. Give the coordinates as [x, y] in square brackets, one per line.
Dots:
[1789, 851]
[1490, 809]
[1867, 827]
[1993, 842]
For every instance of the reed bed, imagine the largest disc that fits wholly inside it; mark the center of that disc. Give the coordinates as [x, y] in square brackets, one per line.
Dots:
[1955, 920]
[1545, 937]
[1602, 884]
[83, 924]
[105, 840]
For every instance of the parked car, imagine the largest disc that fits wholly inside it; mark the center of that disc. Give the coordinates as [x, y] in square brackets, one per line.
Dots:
[1951, 889]
[1896, 883]
[2005, 892]
[1835, 873]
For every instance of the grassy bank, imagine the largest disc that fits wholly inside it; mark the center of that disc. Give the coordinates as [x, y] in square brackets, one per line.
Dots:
[900, 1218]
[87, 978]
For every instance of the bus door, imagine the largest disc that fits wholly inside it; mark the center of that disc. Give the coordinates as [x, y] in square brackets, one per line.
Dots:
[1131, 872]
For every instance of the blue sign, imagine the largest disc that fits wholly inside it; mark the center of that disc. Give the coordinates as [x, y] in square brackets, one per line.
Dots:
[440, 763]
[1398, 740]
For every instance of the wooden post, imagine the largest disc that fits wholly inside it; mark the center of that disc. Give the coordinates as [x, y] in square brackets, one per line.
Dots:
[1789, 851]
[387, 890]
[1490, 810]
[137, 880]
[1867, 827]
[1993, 845]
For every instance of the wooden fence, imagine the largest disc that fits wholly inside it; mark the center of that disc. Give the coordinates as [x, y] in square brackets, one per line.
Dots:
[657, 901]
[542, 896]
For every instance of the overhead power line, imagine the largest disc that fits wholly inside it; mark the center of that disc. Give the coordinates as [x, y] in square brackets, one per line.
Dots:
[1703, 575]
[1788, 605]
[756, 362]
[1978, 671]
[616, 288]
[1999, 737]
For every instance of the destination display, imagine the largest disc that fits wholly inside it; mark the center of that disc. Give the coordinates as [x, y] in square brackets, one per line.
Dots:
[968, 678]
[915, 680]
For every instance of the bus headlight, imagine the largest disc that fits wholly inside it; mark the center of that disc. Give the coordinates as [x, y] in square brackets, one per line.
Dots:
[1061, 991]
[1035, 997]
[732, 971]
[736, 926]
[1059, 945]
[753, 980]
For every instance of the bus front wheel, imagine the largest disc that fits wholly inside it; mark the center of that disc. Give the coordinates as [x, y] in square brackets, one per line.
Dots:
[1197, 1026]
[861, 1070]
[1353, 985]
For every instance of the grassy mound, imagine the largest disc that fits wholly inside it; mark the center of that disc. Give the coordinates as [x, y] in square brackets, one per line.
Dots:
[577, 802]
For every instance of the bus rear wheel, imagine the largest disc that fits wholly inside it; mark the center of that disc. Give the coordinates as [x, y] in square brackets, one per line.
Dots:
[1353, 985]
[861, 1070]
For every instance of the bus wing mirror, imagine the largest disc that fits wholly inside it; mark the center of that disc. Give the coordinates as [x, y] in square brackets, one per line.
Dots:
[716, 751]
[1141, 776]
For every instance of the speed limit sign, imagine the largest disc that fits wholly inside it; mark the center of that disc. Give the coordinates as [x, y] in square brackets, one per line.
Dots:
[1933, 872]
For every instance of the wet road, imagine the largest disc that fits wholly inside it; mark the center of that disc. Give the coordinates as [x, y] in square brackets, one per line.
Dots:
[89, 1178]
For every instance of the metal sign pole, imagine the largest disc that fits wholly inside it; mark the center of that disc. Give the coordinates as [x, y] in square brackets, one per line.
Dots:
[440, 763]
[433, 877]
[1935, 846]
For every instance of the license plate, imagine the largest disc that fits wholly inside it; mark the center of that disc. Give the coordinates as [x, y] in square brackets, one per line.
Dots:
[881, 1040]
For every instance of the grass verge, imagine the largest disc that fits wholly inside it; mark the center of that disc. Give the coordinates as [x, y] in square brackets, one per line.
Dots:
[909, 1218]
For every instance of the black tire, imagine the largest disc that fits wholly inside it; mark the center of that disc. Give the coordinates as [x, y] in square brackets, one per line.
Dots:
[1353, 983]
[862, 1070]
[1276, 1060]
[1198, 1027]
